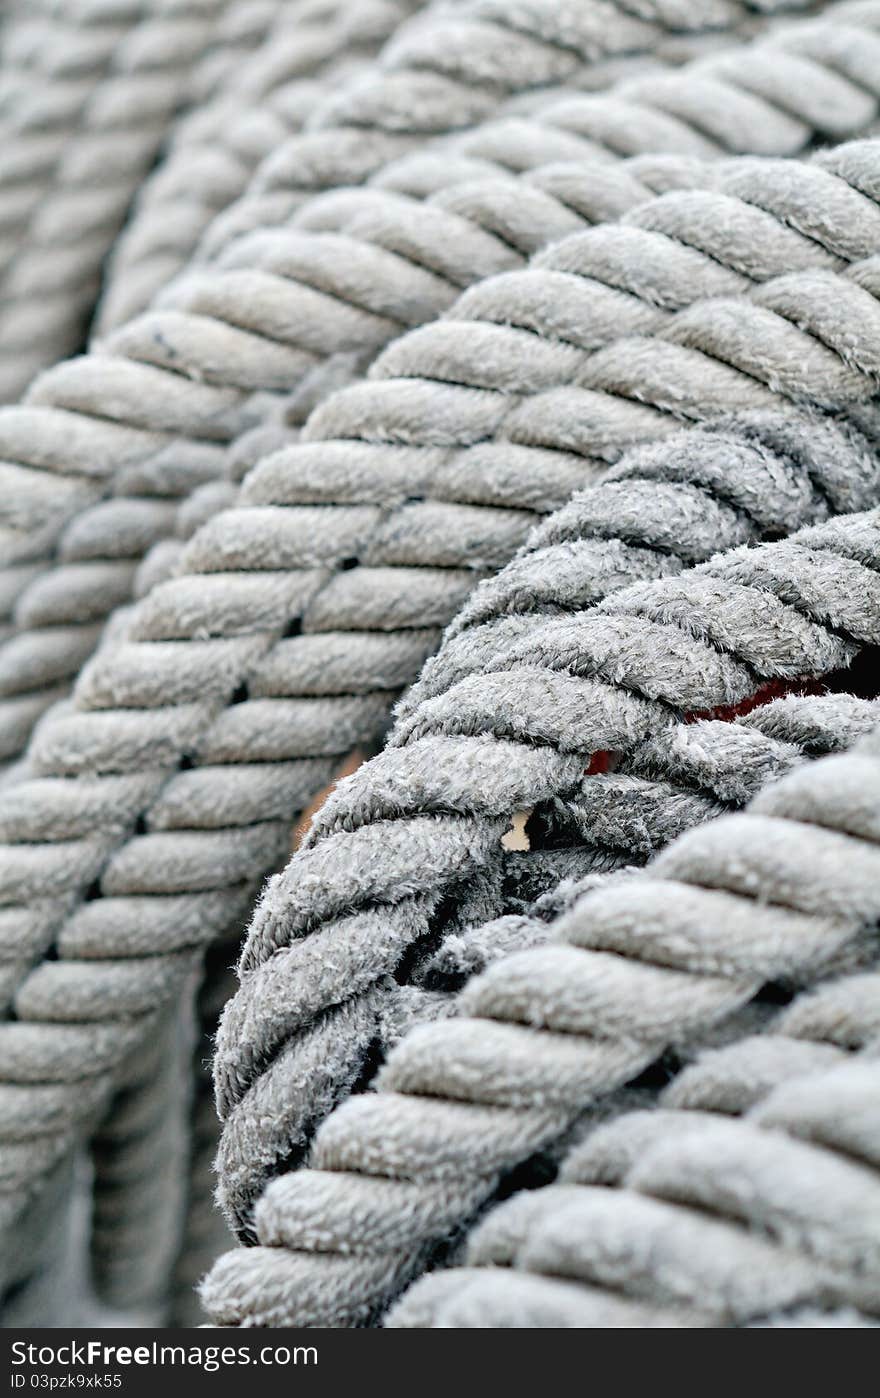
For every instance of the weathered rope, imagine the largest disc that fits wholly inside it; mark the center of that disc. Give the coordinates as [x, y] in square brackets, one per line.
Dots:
[168, 889]
[172, 888]
[786, 890]
[277, 191]
[62, 612]
[391, 262]
[396, 840]
[720, 105]
[96, 88]
[292, 51]
[570, 1260]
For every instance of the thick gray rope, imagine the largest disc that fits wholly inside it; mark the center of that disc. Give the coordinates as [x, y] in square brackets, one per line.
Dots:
[338, 289]
[787, 890]
[196, 860]
[166, 893]
[397, 839]
[62, 611]
[813, 1246]
[661, 789]
[291, 52]
[88, 118]
[276, 193]
[466, 83]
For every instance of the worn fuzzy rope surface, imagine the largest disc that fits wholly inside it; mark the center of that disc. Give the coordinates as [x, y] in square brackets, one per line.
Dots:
[198, 464]
[299, 50]
[507, 718]
[359, 270]
[148, 808]
[801, 1171]
[177, 888]
[785, 891]
[61, 612]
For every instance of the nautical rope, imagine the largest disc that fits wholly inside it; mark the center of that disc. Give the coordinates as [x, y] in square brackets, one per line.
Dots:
[518, 730]
[804, 1089]
[296, 50]
[62, 611]
[101, 84]
[188, 871]
[787, 890]
[392, 261]
[208, 835]
[724, 105]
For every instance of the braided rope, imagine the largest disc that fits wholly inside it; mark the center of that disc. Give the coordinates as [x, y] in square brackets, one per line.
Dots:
[297, 50]
[85, 125]
[797, 1249]
[788, 889]
[392, 257]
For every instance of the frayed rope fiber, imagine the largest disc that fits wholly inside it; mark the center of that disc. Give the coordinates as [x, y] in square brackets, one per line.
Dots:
[484, 394]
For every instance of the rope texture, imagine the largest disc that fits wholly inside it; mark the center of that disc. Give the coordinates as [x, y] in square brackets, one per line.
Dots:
[129, 1102]
[772, 1141]
[290, 54]
[787, 890]
[168, 888]
[176, 464]
[397, 840]
[94, 89]
[149, 861]
[267, 852]
[390, 261]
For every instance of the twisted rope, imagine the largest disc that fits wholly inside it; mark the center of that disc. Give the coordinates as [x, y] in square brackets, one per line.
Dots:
[100, 86]
[409, 829]
[570, 1253]
[213, 830]
[290, 54]
[287, 301]
[61, 612]
[276, 192]
[719, 105]
[218, 828]
[786, 890]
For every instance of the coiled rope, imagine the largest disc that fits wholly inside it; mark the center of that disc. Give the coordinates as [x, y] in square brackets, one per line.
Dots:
[786, 890]
[393, 263]
[97, 86]
[812, 1247]
[296, 50]
[173, 887]
[167, 892]
[62, 612]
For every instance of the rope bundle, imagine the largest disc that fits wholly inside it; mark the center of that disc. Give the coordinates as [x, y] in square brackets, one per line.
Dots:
[387, 262]
[538, 700]
[95, 88]
[514, 333]
[787, 890]
[167, 890]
